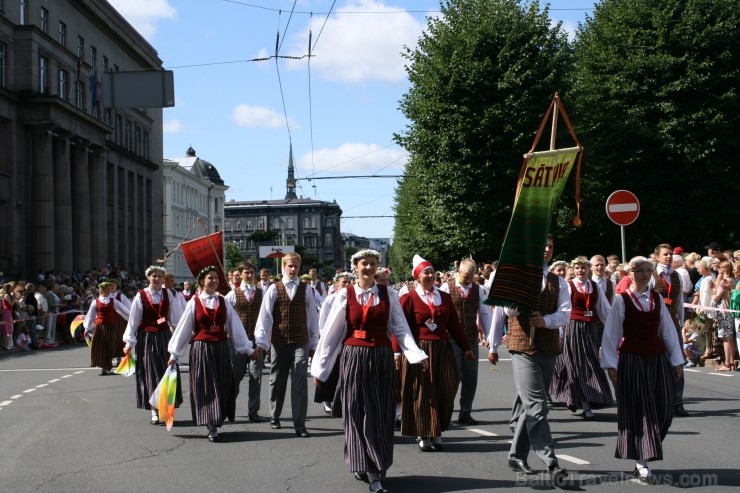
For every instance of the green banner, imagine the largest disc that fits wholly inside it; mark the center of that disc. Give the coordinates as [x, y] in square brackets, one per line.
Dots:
[518, 279]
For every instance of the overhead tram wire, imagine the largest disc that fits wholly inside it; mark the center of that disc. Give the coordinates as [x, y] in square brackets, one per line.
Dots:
[277, 69]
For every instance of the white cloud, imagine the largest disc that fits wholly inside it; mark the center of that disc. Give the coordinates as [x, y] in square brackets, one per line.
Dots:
[354, 157]
[356, 48]
[173, 126]
[259, 116]
[144, 14]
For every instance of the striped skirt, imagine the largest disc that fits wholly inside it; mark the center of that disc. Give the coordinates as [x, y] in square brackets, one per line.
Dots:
[365, 397]
[645, 407]
[151, 363]
[428, 397]
[578, 376]
[212, 389]
[105, 346]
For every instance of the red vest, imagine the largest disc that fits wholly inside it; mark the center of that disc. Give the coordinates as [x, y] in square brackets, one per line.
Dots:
[417, 313]
[210, 324]
[583, 302]
[151, 313]
[106, 312]
[374, 332]
[641, 329]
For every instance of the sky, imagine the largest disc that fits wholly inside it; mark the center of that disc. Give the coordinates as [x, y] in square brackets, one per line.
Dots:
[338, 109]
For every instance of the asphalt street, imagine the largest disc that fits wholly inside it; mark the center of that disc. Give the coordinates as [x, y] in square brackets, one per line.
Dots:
[65, 428]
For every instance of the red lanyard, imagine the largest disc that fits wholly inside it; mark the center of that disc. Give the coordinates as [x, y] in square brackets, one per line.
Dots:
[637, 302]
[365, 309]
[667, 287]
[463, 294]
[430, 304]
[584, 293]
[159, 306]
[215, 310]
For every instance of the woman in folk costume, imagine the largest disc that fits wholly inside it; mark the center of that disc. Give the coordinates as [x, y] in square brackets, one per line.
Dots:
[153, 313]
[578, 379]
[214, 323]
[101, 323]
[428, 398]
[642, 356]
[121, 322]
[362, 320]
[325, 393]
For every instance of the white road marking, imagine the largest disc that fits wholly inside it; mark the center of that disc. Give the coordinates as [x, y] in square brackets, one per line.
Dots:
[694, 371]
[45, 369]
[482, 432]
[16, 396]
[5, 403]
[78, 372]
[719, 374]
[54, 380]
[28, 391]
[41, 385]
[65, 376]
[574, 460]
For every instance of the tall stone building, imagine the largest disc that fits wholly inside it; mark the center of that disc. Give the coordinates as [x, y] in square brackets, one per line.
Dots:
[193, 189]
[80, 185]
[309, 223]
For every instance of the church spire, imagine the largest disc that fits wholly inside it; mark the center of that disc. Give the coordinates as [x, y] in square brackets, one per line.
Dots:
[290, 182]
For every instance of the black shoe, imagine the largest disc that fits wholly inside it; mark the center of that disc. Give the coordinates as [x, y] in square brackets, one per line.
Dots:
[397, 424]
[467, 419]
[303, 433]
[362, 476]
[256, 418]
[558, 476]
[213, 436]
[378, 488]
[680, 412]
[275, 424]
[103, 373]
[519, 465]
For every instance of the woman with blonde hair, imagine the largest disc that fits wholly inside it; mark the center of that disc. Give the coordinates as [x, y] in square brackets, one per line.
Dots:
[725, 326]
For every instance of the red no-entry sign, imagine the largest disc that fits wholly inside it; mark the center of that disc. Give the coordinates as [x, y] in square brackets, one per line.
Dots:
[622, 207]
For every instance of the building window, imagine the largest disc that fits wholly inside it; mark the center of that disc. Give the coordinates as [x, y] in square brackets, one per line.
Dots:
[238, 226]
[290, 240]
[329, 221]
[137, 139]
[309, 241]
[328, 240]
[276, 223]
[105, 63]
[3, 64]
[63, 89]
[93, 57]
[129, 143]
[118, 129]
[146, 144]
[249, 225]
[290, 223]
[261, 224]
[23, 12]
[309, 222]
[44, 20]
[80, 94]
[106, 116]
[62, 33]
[80, 47]
[43, 75]
[227, 225]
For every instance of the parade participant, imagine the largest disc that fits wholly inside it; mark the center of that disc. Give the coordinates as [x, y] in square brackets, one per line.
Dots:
[534, 343]
[325, 393]
[121, 321]
[153, 312]
[187, 291]
[578, 380]
[559, 267]
[214, 323]
[247, 300]
[288, 320]
[383, 276]
[264, 282]
[473, 313]
[175, 296]
[362, 320]
[101, 322]
[317, 283]
[428, 398]
[639, 348]
[667, 283]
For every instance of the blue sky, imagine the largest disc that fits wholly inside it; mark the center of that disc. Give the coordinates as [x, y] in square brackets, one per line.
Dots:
[233, 112]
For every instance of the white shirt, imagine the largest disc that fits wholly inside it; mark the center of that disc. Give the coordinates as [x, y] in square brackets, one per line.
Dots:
[335, 328]
[89, 322]
[601, 284]
[602, 307]
[247, 289]
[614, 330]
[665, 273]
[184, 331]
[263, 328]
[484, 311]
[137, 310]
[41, 300]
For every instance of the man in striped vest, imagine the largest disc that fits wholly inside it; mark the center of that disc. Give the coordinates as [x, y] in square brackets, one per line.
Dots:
[247, 301]
[667, 283]
[288, 320]
[473, 313]
[534, 343]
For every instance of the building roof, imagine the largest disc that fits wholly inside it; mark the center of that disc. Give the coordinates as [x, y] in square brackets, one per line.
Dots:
[278, 203]
[195, 164]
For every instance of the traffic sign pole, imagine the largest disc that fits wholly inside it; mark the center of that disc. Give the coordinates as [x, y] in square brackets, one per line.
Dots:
[624, 245]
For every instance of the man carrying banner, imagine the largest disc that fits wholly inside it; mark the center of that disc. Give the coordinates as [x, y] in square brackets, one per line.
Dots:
[534, 343]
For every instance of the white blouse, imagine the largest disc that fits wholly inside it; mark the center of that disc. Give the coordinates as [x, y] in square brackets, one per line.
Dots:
[334, 330]
[137, 310]
[89, 322]
[603, 308]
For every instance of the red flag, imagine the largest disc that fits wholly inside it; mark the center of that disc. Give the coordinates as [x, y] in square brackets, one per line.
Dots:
[204, 251]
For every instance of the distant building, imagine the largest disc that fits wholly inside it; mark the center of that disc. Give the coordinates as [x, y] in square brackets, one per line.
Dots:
[193, 189]
[80, 185]
[353, 243]
[312, 224]
[382, 245]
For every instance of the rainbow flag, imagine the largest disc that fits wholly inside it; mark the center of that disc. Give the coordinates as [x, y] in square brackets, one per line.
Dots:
[127, 367]
[163, 398]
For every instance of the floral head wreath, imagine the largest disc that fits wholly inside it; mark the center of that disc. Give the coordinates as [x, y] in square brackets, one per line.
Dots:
[580, 261]
[205, 270]
[104, 284]
[154, 268]
[348, 275]
[364, 253]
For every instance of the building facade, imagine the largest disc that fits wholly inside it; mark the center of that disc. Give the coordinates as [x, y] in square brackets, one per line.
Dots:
[311, 224]
[194, 196]
[80, 185]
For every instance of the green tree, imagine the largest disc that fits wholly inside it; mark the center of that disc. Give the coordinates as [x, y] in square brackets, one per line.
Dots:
[481, 79]
[234, 256]
[656, 106]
